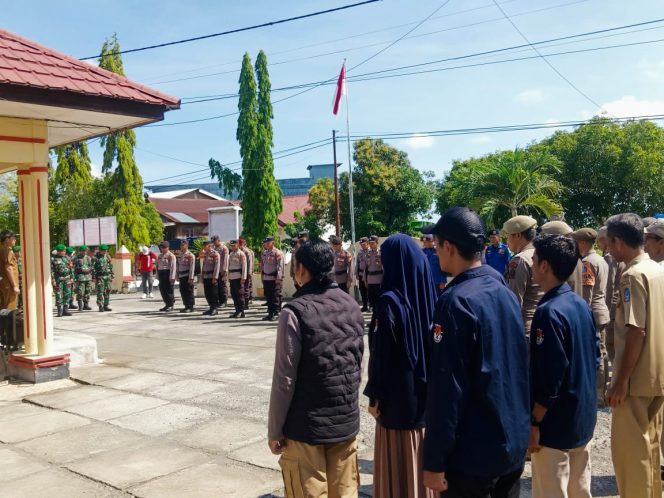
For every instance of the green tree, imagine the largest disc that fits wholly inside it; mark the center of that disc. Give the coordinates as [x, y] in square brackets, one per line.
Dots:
[389, 193]
[9, 202]
[229, 181]
[135, 222]
[74, 167]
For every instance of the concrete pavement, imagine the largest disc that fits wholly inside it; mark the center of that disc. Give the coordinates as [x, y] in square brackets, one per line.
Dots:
[177, 408]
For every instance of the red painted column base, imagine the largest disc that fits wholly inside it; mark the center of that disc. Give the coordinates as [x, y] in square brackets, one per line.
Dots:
[36, 369]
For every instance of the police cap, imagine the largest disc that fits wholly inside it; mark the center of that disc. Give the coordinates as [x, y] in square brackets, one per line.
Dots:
[373, 238]
[268, 239]
[334, 240]
[427, 236]
[164, 244]
[303, 233]
[587, 234]
[519, 224]
[364, 240]
[215, 238]
[656, 229]
[495, 231]
[461, 226]
[234, 241]
[557, 228]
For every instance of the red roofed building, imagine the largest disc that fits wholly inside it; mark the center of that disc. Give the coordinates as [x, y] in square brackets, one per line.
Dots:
[293, 204]
[185, 218]
[49, 99]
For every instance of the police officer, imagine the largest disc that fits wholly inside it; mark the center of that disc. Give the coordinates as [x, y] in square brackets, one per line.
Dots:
[520, 232]
[186, 265]
[373, 273]
[439, 277]
[210, 272]
[343, 264]
[360, 268]
[61, 275]
[559, 227]
[497, 254]
[83, 276]
[272, 272]
[248, 284]
[166, 272]
[102, 269]
[222, 291]
[72, 283]
[237, 274]
[595, 280]
[478, 404]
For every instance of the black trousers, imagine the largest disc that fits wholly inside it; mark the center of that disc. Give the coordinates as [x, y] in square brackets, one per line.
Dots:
[272, 290]
[211, 293]
[222, 291]
[344, 287]
[465, 486]
[363, 293]
[248, 289]
[187, 292]
[373, 293]
[237, 293]
[166, 287]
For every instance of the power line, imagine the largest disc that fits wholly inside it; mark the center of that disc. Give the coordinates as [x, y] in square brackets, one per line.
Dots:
[548, 63]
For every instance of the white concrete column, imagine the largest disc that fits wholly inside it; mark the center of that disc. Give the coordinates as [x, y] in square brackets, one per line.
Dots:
[28, 250]
[39, 180]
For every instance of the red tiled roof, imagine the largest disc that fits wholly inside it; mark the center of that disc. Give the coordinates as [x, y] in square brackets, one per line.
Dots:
[27, 63]
[195, 208]
[293, 203]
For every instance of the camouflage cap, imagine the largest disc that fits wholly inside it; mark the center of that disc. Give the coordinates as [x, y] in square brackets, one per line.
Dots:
[70, 250]
[60, 247]
[587, 234]
[519, 224]
[557, 228]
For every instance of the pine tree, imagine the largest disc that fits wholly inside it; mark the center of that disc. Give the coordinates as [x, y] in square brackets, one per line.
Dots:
[134, 224]
[74, 167]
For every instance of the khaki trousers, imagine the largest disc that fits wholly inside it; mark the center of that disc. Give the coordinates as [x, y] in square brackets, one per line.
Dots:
[636, 427]
[561, 474]
[321, 470]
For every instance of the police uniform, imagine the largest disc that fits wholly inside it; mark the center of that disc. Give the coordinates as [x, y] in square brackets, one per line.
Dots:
[83, 275]
[222, 291]
[61, 275]
[166, 272]
[186, 265]
[519, 274]
[237, 274]
[210, 272]
[373, 274]
[360, 268]
[343, 266]
[102, 269]
[248, 283]
[498, 257]
[272, 272]
[636, 423]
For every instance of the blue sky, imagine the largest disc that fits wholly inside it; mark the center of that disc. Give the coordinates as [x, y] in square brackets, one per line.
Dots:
[625, 81]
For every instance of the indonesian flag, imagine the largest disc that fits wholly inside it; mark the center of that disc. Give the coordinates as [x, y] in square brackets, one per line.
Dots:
[341, 90]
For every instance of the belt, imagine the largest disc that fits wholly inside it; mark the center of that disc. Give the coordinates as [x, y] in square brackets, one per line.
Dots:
[375, 272]
[270, 274]
[342, 272]
[183, 275]
[239, 270]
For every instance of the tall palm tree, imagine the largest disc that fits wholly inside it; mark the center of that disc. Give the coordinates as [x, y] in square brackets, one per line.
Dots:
[516, 180]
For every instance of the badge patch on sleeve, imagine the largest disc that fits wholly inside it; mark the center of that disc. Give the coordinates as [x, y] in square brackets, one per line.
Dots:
[539, 338]
[588, 274]
[437, 333]
[627, 295]
[511, 269]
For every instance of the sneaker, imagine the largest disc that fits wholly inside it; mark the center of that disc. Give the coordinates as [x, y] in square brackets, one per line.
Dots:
[150, 295]
[144, 296]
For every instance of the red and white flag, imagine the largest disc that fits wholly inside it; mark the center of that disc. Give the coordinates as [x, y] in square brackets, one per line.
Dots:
[341, 90]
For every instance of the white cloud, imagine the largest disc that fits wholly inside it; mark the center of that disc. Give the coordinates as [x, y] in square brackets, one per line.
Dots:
[552, 121]
[481, 139]
[95, 170]
[628, 105]
[532, 96]
[420, 142]
[652, 70]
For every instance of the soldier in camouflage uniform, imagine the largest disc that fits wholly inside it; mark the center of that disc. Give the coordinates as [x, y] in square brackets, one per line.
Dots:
[83, 278]
[72, 286]
[102, 269]
[61, 277]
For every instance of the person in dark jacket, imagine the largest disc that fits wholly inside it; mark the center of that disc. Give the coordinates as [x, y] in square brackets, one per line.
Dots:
[564, 356]
[396, 387]
[314, 404]
[478, 406]
[439, 278]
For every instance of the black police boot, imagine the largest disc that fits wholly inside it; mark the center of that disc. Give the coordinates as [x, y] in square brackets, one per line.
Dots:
[242, 314]
[214, 312]
[80, 305]
[234, 315]
[86, 306]
[59, 311]
[208, 312]
[65, 311]
[166, 308]
[106, 308]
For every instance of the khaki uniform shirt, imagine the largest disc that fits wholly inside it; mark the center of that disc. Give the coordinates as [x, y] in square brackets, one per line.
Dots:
[222, 250]
[186, 265]
[595, 280]
[373, 273]
[343, 266]
[272, 264]
[362, 257]
[520, 281]
[575, 280]
[8, 265]
[642, 305]
[237, 265]
[167, 262]
[211, 265]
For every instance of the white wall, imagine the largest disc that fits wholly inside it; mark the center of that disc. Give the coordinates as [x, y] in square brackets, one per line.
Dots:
[226, 224]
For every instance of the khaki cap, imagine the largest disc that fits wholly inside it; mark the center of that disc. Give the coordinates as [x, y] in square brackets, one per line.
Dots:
[601, 232]
[587, 234]
[656, 228]
[557, 228]
[519, 224]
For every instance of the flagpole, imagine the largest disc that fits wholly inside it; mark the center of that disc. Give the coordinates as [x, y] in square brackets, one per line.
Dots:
[350, 176]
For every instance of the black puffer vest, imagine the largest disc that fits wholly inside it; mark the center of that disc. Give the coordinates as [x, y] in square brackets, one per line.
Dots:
[325, 405]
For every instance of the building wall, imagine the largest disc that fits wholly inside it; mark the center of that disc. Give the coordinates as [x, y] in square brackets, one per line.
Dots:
[226, 224]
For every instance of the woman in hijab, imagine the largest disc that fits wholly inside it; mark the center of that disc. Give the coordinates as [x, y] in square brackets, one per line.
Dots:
[397, 368]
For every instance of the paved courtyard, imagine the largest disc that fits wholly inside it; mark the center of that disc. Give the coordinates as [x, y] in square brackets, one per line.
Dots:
[177, 408]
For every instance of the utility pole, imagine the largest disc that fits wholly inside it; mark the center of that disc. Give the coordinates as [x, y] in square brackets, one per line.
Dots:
[337, 220]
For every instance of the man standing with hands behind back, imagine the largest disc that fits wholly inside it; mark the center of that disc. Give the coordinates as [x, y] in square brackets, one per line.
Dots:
[9, 286]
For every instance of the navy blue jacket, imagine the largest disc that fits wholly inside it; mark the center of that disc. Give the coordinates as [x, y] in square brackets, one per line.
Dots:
[401, 395]
[434, 263]
[478, 406]
[564, 354]
[498, 257]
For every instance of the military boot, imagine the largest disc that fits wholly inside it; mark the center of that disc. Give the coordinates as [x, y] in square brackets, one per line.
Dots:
[101, 308]
[59, 311]
[80, 305]
[65, 311]
[106, 308]
[86, 306]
